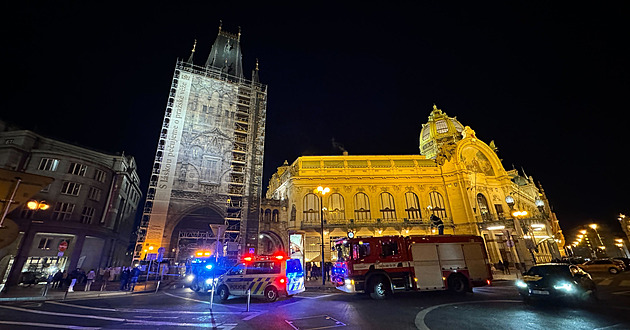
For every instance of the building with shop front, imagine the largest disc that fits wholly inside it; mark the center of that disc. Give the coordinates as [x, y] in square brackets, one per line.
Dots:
[457, 177]
[92, 205]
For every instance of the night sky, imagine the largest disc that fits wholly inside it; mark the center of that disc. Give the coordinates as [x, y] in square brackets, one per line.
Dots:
[547, 82]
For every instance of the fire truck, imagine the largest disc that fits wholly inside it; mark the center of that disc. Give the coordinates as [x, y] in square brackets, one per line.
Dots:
[381, 266]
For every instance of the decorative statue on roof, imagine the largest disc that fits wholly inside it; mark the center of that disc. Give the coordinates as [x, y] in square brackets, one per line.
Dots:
[468, 132]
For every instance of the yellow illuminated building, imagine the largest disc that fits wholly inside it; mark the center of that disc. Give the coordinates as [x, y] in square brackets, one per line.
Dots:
[457, 177]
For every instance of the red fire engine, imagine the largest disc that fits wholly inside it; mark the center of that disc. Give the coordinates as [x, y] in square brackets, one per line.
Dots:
[382, 265]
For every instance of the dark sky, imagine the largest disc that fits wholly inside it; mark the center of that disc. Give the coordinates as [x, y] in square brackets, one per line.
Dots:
[548, 82]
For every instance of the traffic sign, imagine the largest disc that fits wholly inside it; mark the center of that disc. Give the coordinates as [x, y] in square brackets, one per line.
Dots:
[160, 254]
[63, 246]
[151, 256]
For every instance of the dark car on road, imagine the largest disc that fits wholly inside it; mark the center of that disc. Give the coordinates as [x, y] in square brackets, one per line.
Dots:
[626, 261]
[557, 281]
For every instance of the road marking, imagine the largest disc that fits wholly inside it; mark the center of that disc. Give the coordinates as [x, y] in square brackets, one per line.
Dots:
[607, 281]
[48, 325]
[84, 307]
[64, 314]
[622, 292]
[624, 283]
[419, 321]
[206, 302]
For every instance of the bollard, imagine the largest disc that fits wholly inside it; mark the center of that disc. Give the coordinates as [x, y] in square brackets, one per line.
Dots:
[211, 298]
[157, 287]
[249, 296]
[45, 292]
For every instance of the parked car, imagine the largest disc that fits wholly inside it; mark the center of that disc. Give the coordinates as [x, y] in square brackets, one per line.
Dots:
[626, 261]
[557, 281]
[602, 265]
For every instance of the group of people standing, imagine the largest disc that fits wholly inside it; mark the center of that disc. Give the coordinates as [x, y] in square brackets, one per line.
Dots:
[313, 271]
[62, 279]
[129, 278]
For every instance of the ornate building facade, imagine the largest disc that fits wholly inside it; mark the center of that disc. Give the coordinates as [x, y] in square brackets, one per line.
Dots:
[209, 158]
[92, 202]
[457, 177]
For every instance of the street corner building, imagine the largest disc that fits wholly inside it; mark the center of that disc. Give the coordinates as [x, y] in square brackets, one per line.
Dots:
[456, 185]
[83, 219]
[207, 174]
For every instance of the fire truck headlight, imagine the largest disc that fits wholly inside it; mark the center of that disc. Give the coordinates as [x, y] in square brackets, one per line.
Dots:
[209, 281]
[190, 278]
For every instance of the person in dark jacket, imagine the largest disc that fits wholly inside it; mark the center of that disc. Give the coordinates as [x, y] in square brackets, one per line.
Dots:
[124, 279]
[56, 281]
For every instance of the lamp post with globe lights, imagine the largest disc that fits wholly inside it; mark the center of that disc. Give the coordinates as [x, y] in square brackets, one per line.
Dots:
[321, 191]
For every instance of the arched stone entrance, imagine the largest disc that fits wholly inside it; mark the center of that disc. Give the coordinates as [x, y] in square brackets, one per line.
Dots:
[269, 243]
[198, 220]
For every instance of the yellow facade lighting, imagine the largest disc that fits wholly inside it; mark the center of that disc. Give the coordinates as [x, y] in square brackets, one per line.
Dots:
[583, 232]
[593, 225]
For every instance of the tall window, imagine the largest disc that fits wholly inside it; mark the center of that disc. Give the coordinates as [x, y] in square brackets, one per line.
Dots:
[99, 175]
[388, 211]
[62, 211]
[77, 169]
[275, 216]
[336, 207]
[413, 206]
[267, 215]
[87, 214]
[311, 207]
[361, 206]
[483, 207]
[71, 188]
[438, 207]
[48, 164]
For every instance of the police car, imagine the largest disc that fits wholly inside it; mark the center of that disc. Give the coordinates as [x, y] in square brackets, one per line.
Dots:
[266, 277]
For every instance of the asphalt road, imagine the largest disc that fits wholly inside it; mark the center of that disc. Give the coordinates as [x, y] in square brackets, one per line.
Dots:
[496, 307]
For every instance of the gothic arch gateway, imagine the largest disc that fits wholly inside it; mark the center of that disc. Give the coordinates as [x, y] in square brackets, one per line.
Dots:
[209, 156]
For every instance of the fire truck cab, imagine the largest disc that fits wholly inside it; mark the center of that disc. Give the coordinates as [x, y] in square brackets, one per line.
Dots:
[267, 277]
[382, 265]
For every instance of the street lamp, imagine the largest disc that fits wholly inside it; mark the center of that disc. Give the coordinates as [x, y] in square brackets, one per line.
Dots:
[594, 226]
[321, 191]
[35, 205]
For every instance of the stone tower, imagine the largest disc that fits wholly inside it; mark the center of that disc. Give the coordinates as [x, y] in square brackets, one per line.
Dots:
[209, 158]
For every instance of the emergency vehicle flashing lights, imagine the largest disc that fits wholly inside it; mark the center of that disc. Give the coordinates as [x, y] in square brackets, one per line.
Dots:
[247, 258]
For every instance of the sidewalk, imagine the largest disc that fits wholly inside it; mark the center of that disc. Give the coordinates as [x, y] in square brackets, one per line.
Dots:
[500, 276]
[316, 286]
[35, 292]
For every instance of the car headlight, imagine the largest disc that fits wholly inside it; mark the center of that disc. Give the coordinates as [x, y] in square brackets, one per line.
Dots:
[190, 278]
[565, 286]
[521, 284]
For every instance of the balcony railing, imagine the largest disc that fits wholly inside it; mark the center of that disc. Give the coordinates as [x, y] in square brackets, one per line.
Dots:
[315, 223]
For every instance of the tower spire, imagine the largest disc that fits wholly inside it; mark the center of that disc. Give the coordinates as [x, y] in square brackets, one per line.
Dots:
[225, 54]
[190, 59]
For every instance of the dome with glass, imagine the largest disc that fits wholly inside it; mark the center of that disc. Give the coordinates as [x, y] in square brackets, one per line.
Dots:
[440, 129]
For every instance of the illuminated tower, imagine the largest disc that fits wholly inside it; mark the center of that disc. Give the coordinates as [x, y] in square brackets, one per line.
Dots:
[209, 158]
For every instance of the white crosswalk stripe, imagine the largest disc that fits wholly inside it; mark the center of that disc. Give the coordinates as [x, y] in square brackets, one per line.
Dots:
[605, 282]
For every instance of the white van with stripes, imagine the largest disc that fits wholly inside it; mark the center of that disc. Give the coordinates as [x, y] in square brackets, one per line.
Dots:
[267, 277]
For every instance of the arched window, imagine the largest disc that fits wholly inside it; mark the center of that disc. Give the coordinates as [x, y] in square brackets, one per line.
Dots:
[388, 211]
[311, 208]
[267, 215]
[361, 206]
[438, 207]
[413, 206]
[336, 207]
[484, 210]
[275, 216]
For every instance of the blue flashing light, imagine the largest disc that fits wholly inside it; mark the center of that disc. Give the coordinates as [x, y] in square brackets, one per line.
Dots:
[209, 266]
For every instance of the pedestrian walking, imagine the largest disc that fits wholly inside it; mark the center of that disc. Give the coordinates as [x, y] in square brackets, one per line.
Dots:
[73, 279]
[56, 282]
[506, 268]
[90, 279]
[124, 279]
[135, 273]
[309, 269]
